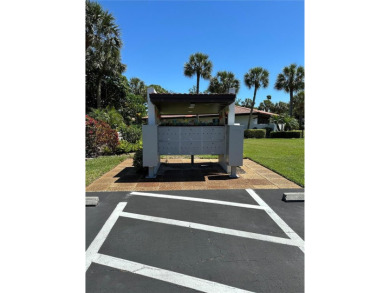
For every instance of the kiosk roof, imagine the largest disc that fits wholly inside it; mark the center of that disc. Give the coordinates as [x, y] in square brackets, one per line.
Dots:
[169, 103]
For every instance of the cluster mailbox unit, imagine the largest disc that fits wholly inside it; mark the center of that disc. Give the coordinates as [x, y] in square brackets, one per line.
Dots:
[224, 138]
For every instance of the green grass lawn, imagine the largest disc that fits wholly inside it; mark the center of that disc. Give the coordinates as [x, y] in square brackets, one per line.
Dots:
[95, 168]
[285, 156]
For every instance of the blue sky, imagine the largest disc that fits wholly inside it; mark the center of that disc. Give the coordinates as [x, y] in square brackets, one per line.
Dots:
[159, 36]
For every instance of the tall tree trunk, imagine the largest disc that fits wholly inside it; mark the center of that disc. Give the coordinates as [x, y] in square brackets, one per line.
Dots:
[99, 92]
[291, 103]
[88, 42]
[253, 104]
[197, 82]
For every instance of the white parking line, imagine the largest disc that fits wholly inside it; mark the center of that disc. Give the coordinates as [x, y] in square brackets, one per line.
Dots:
[214, 229]
[165, 275]
[102, 235]
[228, 203]
[92, 254]
[278, 220]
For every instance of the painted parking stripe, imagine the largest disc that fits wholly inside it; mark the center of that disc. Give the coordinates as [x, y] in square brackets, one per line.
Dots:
[102, 235]
[165, 275]
[209, 228]
[228, 203]
[278, 220]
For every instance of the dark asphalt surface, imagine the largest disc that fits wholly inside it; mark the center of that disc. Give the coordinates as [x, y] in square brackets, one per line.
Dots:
[248, 264]
[103, 279]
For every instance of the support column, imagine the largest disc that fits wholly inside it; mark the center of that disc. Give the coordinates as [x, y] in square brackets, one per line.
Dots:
[151, 172]
[222, 158]
[232, 109]
[151, 109]
[151, 157]
[233, 173]
[232, 151]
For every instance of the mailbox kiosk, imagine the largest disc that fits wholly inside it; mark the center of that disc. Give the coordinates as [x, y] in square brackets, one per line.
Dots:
[223, 137]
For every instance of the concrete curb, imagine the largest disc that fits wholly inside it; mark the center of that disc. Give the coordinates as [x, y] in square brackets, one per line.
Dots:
[91, 201]
[293, 196]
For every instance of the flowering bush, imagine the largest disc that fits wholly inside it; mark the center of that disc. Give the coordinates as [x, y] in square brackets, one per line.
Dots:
[98, 135]
[91, 148]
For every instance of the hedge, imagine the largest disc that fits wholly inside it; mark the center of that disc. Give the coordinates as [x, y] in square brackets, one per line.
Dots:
[286, 134]
[254, 133]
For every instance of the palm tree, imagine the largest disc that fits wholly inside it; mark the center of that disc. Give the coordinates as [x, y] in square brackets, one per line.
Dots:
[246, 103]
[256, 77]
[266, 106]
[102, 45]
[99, 25]
[222, 82]
[280, 108]
[291, 80]
[107, 62]
[290, 123]
[93, 10]
[200, 65]
[137, 87]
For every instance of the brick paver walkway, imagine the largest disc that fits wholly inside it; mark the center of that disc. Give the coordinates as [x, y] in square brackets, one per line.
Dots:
[178, 174]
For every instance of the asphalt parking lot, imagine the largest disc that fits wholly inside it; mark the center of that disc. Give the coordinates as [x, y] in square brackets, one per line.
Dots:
[195, 241]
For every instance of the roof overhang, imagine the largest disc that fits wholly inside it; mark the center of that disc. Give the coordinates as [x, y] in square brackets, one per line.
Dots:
[191, 104]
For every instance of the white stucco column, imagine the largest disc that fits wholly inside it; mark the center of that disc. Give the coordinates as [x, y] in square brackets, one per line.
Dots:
[151, 110]
[151, 157]
[231, 114]
[234, 141]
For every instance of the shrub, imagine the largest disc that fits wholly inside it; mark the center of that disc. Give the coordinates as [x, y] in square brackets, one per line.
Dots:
[126, 147]
[106, 151]
[136, 146]
[109, 115]
[131, 133]
[286, 134]
[91, 148]
[254, 133]
[290, 123]
[137, 160]
[106, 136]
[287, 122]
[123, 147]
[99, 135]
